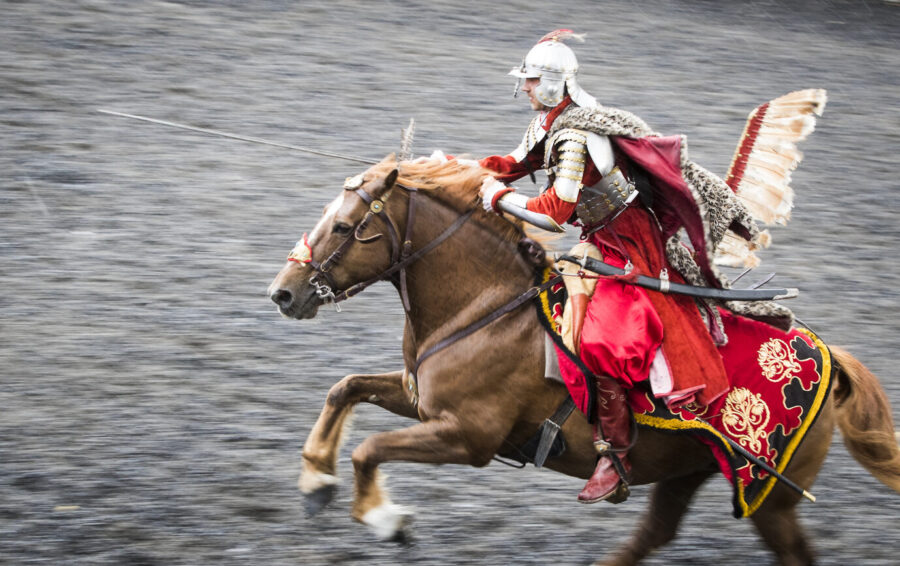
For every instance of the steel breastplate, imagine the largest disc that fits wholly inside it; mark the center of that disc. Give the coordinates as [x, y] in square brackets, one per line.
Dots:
[604, 201]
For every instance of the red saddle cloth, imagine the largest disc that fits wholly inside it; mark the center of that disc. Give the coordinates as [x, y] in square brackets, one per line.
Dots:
[779, 382]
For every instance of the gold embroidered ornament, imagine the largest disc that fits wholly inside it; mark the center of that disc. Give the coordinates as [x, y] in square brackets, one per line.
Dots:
[777, 360]
[745, 417]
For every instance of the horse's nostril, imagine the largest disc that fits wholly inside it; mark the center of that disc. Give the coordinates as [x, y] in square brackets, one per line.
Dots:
[283, 298]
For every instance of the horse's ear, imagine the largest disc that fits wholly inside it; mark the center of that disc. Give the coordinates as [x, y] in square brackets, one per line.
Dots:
[386, 185]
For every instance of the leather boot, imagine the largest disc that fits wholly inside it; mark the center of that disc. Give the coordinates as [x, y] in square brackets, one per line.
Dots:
[610, 481]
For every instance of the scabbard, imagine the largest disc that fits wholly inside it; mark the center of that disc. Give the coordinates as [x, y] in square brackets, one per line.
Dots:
[663, 286]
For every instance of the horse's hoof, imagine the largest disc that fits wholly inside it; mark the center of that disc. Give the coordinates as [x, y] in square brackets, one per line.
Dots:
[315, 501]
[389, 522]
[403, 538]
[317, 489]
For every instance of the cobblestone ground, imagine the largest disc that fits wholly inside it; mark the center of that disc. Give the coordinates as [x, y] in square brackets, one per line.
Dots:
[152, 404]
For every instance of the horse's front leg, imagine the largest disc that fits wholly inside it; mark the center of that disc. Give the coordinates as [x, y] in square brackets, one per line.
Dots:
[320, 451]
[439, 441]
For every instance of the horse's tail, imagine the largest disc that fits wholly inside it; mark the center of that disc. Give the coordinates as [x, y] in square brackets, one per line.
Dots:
[864, 417]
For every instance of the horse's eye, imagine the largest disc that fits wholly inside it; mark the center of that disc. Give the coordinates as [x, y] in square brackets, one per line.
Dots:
[341, 228]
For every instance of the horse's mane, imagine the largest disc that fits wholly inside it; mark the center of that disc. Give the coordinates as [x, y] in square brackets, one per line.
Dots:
[453, 183]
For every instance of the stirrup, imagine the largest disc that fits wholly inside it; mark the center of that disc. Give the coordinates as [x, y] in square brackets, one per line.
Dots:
[620, 494]
[602, 447]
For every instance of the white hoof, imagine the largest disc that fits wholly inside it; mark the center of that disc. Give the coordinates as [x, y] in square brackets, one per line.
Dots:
[310, 482]
[388, 520]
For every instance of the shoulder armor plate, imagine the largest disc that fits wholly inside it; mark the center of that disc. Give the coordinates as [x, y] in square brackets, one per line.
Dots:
[601, 152]
[571, 156]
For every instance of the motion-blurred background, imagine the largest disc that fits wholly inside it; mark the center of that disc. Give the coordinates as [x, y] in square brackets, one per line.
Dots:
[153, 404]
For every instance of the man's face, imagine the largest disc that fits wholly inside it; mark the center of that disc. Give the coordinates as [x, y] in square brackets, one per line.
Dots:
[528, 88]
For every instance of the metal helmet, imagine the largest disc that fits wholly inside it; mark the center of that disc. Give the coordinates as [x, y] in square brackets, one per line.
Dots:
[555, 64]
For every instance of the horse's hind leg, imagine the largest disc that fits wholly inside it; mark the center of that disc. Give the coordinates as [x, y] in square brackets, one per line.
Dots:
[668, 502]
[779, 527]
[320, 451]
[776, 519]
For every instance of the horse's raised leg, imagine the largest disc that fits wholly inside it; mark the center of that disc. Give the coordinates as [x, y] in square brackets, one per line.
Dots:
[433, 442]
[320, 451]
[668, 502]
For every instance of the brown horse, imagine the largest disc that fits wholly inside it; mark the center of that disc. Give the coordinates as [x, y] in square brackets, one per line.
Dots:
[486, 393]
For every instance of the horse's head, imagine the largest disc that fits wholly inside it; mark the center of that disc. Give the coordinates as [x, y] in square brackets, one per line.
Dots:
[346, 247]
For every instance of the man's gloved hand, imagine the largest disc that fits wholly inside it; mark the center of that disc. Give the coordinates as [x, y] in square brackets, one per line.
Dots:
[492, 191]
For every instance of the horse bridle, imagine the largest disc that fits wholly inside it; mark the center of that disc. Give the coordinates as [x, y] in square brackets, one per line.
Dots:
[401, 255]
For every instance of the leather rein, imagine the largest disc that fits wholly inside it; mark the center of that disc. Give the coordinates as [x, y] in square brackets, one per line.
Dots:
[401, 257]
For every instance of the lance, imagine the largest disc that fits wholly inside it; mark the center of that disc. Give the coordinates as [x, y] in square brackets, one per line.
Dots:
[239, 137]
[540, 220]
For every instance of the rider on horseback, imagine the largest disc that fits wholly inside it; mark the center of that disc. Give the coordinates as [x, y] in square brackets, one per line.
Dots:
[631, 192]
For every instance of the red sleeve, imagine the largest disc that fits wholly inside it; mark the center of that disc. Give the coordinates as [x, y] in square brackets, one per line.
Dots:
[556, 208]
[508, 169]
[551, 205]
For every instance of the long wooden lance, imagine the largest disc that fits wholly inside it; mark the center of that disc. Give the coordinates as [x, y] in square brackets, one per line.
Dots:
[540, 220]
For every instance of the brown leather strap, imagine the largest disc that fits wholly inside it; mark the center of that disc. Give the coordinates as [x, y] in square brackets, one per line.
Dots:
[457, 224]
[406, 248]
[550, 430]
[401, 255]
[531, 293]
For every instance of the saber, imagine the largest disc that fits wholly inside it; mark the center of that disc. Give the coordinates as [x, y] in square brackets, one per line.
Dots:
[756, 461]
[239, 137]
[664, 286]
